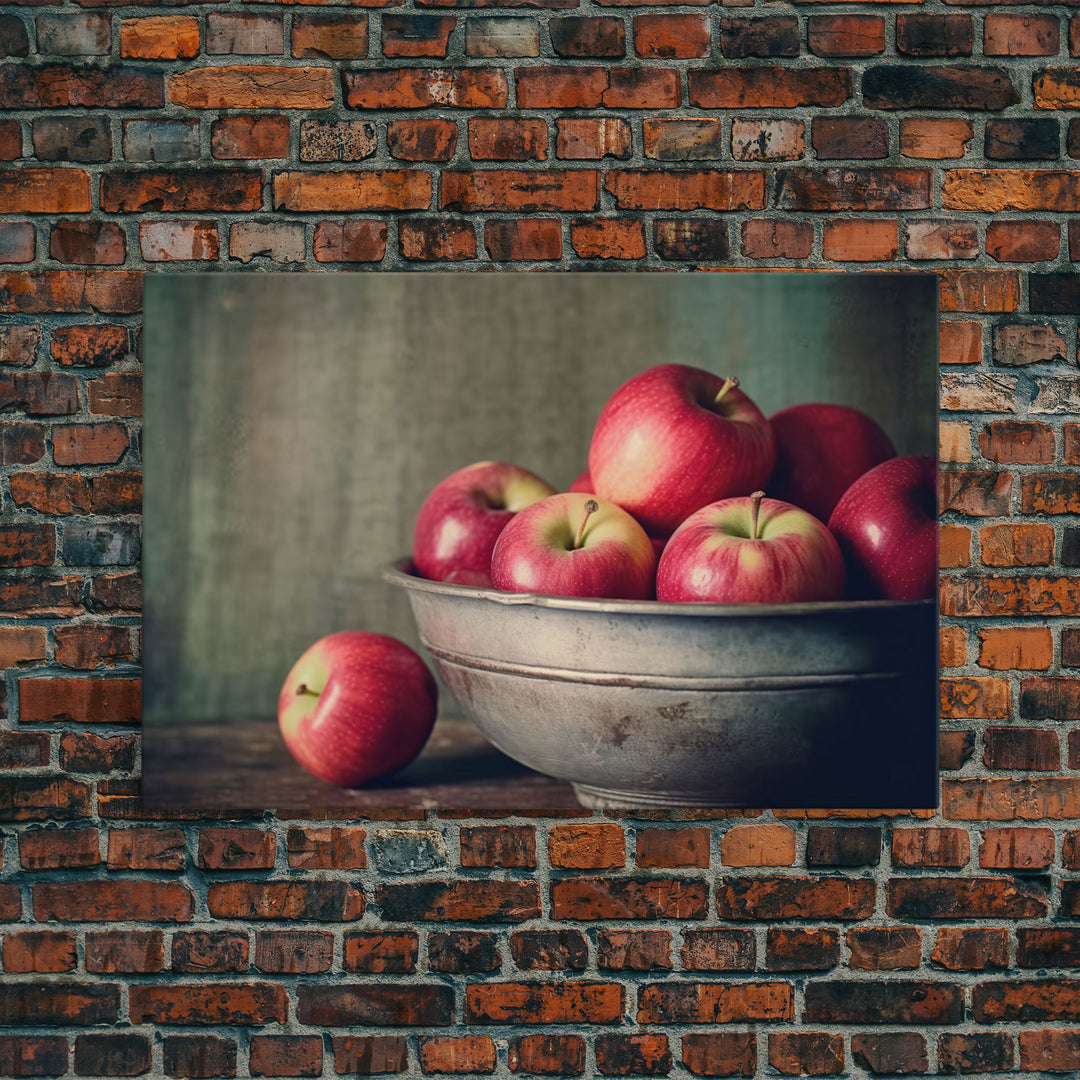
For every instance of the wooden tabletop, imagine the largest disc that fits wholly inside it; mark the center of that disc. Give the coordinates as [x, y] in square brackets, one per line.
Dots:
[243, 764]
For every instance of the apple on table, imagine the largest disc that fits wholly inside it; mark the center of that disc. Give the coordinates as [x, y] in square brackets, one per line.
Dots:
[750, 550]
[357, 706]
[460, 520]
[575, 544]
[887, 526]
[675, 438]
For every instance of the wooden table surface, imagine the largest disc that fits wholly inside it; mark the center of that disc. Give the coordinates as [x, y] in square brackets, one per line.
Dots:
[243, 764]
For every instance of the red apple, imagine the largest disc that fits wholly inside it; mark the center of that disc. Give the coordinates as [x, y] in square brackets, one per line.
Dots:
[574, 544]
[821, 450]
[356, 706]
[461, 519]
[675, 438]
[887, 527]
[582, 482]
[750, 550]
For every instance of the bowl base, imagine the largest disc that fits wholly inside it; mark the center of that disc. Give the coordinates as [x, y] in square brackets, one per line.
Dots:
[599, 798]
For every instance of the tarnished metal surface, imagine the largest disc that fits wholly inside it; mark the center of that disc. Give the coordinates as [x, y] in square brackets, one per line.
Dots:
[647, 704]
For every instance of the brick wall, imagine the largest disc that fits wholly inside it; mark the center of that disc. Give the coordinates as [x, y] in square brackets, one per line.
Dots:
[539, 134]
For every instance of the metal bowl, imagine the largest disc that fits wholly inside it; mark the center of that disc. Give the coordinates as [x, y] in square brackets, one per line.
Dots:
[642, 704]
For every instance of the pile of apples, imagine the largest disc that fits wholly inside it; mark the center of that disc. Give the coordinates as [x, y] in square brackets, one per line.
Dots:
[673, 506]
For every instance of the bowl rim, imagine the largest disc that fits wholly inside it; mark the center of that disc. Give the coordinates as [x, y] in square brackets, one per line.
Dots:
[400, 573]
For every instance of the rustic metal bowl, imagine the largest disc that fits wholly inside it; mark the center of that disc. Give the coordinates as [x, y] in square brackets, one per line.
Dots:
[642, 704]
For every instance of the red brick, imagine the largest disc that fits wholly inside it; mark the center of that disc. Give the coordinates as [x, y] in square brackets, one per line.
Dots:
[146, 849]
[859, 137]
[58, 849]
[373, 951]
[1017, 545]
[721, 1053]
[351, 240]
[1012, 647]
[954, 546]
[537, 1002]
[198, 1056]
[85, 701]
[334, 37]
[323, 901]
[766, 238]
[930, 847]
[714, 1003]
[806, 1053]
[633, 950]
[1050, 493]
[1009, 442]
[758, 845]
[976, 696]
[494, 138]
[18, 346]
[608, 238]
[457, 1054]
[768, 87]
[21, 750]
[125, 951]
[628, 898]
[718, 950]
[885, 948]
[954, 442]
[547, 1055]
[1018, 344]
[286, 1055]
[971, 949]
[952, 650]
[967, 898]
[846, 35]
[249, 137]
[801, 950]
[21, 645]
[592, 138]
[1050, 698]
[336, 140]
[421, 88]
[302, 952]
[897, 1052]
[45, 191]
[331, 848]
[549, 950]
[642, 1054]
[33, 1055]
[671, 37]
[87, 243]
[129, 190]
[1050, 1050]
[252, 85]
[459, 901]
[370, 189]
[421, 139]
[682, 140]
[942, 240]
[561, 88]
[160, 37]
[982, 1051]
[90, 444]
[522, 239]
[93, 345]
[90, 753]
[1023, 241]
[577, 36]
[934, 35]
[1020, 35]
[767, 140]
[212, 1003]
[1016, 849]
[935, 139]
[691, 239]
[979, 290]
[437, 239]
[686, 189]
[40, 951]
[101, 292]
[769, 898]
[673, 847]
[860, 241]
[199, 951]
[854, 189]
[56, 1003]
[586, 847]
[1029, 799]
[112, 901]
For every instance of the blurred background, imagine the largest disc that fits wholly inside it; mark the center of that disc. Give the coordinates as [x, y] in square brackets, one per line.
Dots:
[294, 424]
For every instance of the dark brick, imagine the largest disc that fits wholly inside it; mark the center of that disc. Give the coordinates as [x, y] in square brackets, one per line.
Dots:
[857, 137]
[198, 1057]
[322, 901]
[52, 1004]
[1023, 140]
[547, 1055]
[303, 952]
[196, 951]
[890, 1053]
[766, 898]
[416, 35]
[370, 1054]
[467, 901]
[979, 1052]
[886, 1002]
[112, 1055]
[853, 189]
[720, 1053]
[776, 35]
[691, 239]
[83, 138]
[853, 846]
[802, 950]
[378, 1004]
[967, 898]
[33, 1055]
[549, 950]
[52, 86]
[89, 544]
[714, 1002]
[1054, 294]
[14, 40]
[597, 36]
[1053, 947]
[463, 950]
[889, 86]
[633, 950]
[934, 35]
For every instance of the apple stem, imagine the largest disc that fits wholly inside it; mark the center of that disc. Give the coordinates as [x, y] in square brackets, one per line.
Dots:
[755, 507]
[729, 383]
[591, 506]
[303, 688]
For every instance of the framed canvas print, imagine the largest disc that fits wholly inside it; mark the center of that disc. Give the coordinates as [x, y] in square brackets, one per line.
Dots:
[711, 579]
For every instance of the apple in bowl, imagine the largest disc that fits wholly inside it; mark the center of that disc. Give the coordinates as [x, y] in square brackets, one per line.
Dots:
[673, 439]
[575, 544]
[887, 526]
[357, 706]
[462, 517]
[750, 550]
[821, 450]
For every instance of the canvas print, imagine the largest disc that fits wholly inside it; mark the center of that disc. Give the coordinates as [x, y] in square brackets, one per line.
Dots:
[540, 541]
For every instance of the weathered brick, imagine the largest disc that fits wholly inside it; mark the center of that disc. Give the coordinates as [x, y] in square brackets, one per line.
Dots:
[336, 140]
[806, 1053]
[112, 901]
[982, 1051]
[952, 652]
[686, 189]
[160, 37]
[14, 39]
[1023, 241]
[304, 952]
[1007, 189]
[758, 845]
[515, 190]
[45, 191]
[522, 239]
[592, 138]
[502, 36]
[321, 901]
[419, 88]
[58, 1004]
[896, 1001]
[246, 33]
[90, 646]
[643, 1054]
[776, 35]
[549, 950]
[628, 898]
[90, 753]
[633, 950]
[943, 240]
[23, 750]
[252, 86]
[210, 1003]
[851, 846]
[850, 137]
[671, 37]
[766, 238]
[373, 951]
[682, 140]
[1017, 545]
[930, 847]
[507, 138]
[853, 189]
[198, 1057]
[951, 898]
[370, 189]
[64, 86]
[334, 37]
[910, 86]
[890, 1053]
[16, 242]
[1016, 849]
[40, 951]
[768, 898]
[90, 444]
[577, 36]
[933, 35]
[1049, 1051]
[1028, 799]
[127, 190]
[547, 1055]
[278, 241]
[178, 241]
[94, 345]
[718, 950]
[58, 849]
[971, 949]
[198, 951]
[923, 137]
[1019, 999]
[860, 240]
[1020, 35]
[1022, 140]
[767, 140]
[887, 948]
[720, 1053]
[459, 901]
[249, 137]
[714, 1003]
[286, 1055]
[954, 546]
[351, 240]
[691, 239]
[1006, 648]
[954, 443]
[801, 950]
[608, 238]
[457, 1054]
[161, 140]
